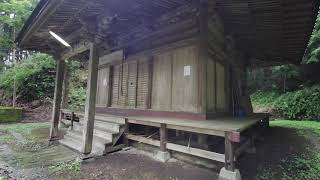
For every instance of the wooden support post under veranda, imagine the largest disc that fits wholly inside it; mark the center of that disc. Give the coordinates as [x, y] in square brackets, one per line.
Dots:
[90, 106]
[229, 153]
[57, 99]
[163, 137]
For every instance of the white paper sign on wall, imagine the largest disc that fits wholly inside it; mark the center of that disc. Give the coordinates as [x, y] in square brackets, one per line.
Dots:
[187, 70]
[105, 83]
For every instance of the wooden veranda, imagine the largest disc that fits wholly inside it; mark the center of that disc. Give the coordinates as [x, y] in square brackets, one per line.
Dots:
[238, 133]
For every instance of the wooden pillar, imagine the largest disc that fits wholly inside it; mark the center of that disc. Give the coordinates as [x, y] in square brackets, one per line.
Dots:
[57, 99]
[126, 132]
[90, 106]
[65, 88]
[203, 55]
[163, 137]
[229, 153]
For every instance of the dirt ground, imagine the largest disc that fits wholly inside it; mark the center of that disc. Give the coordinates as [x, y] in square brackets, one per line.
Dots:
[29, 157]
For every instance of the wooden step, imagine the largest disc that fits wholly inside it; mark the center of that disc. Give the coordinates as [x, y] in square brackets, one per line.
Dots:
[76, 145]
[112, 119]
[96, 139]
[71, 143]
[104, 125]
[102, 133]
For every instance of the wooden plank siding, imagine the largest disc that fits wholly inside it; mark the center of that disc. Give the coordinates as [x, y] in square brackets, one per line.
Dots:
[156, 81]
[123, 85]
[162, 81]
[103, 87]
[132, 84]
[217, 86]
[115, 86]
[143, 83]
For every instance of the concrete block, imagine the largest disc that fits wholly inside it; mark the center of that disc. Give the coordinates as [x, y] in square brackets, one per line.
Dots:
[162, 156]
[229, 175]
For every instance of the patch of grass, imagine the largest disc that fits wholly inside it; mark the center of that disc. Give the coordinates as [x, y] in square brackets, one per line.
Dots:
[24, 129]
[305, 166]
[299, 166]
[73, 166]
[298, 125]
[7, 139]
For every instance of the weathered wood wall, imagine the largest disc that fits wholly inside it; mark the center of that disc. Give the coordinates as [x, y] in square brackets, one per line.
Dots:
[155, 78]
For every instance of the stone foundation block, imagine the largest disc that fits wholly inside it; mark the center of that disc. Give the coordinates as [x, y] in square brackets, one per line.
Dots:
[229, 175]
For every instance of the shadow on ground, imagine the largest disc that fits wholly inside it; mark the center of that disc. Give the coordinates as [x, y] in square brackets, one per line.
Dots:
[277, 144]
[22, 157]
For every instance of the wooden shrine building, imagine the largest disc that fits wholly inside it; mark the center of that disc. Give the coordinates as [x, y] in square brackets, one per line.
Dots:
[164, 72]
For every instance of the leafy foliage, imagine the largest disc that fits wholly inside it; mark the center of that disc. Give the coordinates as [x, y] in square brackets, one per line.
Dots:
[78, 82]
[13, 14]
[313, 50]
[300, 104]
[77, 98]
[278, 78]
[264, 98]
[34, 77]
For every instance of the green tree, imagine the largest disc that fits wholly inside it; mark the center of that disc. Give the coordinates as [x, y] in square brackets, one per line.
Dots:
[312, 54]
[13, 14]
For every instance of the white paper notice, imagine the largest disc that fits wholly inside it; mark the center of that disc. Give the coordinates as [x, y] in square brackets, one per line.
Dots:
[105, 83]
[187, 70]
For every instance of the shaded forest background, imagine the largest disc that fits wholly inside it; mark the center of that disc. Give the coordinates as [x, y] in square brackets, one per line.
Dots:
[291, 91]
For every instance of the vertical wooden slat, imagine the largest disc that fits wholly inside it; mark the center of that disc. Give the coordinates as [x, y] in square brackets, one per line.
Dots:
[123, 91]
[110, 86]
[150, 78]
[115, 85]
[132, 85]
[90, 105]
[57, 99]
[143, 80]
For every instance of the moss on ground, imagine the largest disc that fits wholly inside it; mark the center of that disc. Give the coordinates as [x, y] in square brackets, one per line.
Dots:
[10, 115]
[26, 130]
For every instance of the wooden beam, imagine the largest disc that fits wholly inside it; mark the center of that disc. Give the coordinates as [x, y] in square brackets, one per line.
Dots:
[57, 99]
[180, 148]
[144, 140]
[203, 55]
[177, 127]
[76, 49]
[90, 106]
[197, 152]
